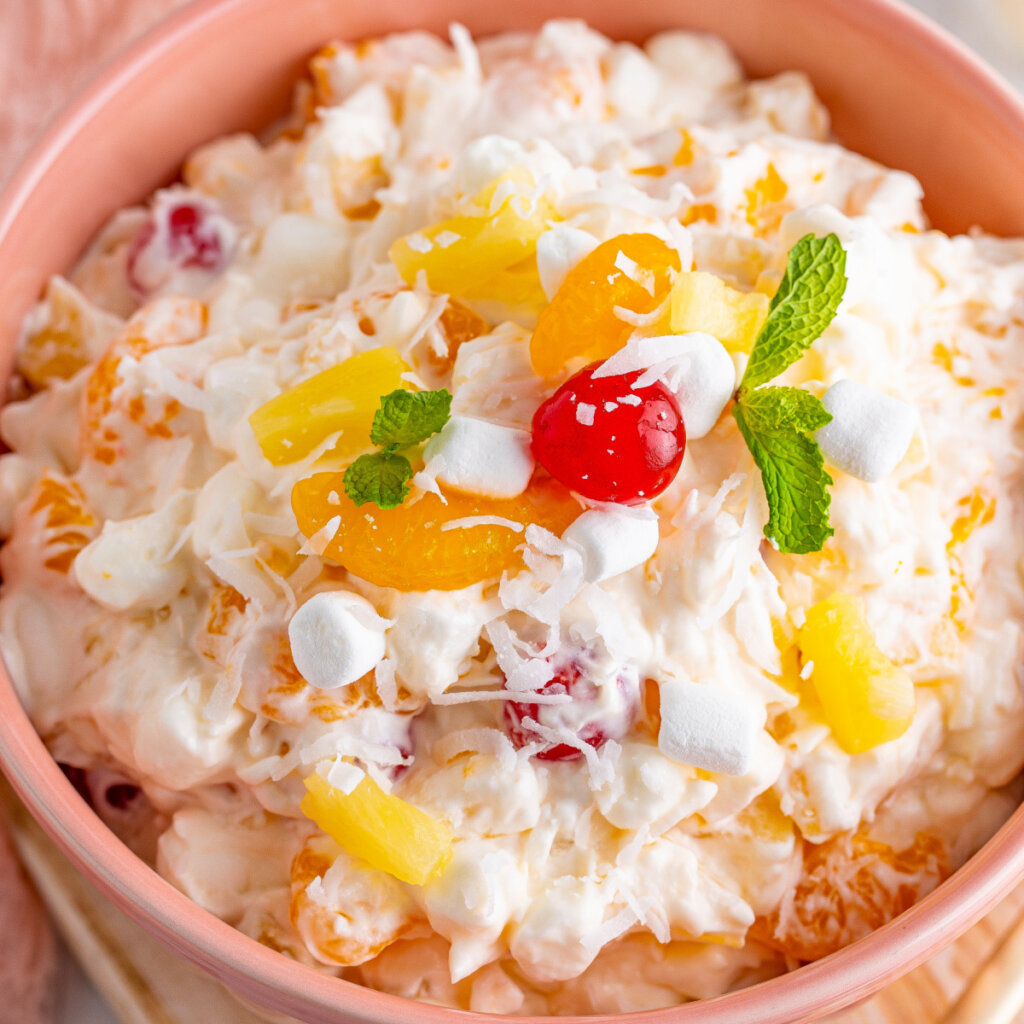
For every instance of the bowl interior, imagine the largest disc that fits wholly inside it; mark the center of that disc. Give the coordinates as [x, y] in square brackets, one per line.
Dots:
[898, 91]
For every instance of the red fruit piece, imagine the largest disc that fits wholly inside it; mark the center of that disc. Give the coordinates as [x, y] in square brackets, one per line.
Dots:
[608, 441]
[595, 714]
[184, 231]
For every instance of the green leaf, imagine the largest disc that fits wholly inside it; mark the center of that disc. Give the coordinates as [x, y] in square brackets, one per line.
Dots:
[802, 308]
[772, 408]
[408, 417]
[776, 424]
[381, 478]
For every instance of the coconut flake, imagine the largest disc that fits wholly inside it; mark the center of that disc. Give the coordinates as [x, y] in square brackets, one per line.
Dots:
[387, 686]
[468, 522]
[585, 413]
[526, 695]
[342, 775]
[748, 545]
[609, 930]
[249, 583]
[318, 543]
[419, 243]
[637, 274]
[635, 319]
[426, 478]
[601, 771]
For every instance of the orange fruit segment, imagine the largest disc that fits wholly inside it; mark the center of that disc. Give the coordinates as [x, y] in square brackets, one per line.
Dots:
[850, 885]
[345, 397]
[387, 832]
[704, 302]
[866, 699]
[633, 272]
[466, 253]
[408, 547]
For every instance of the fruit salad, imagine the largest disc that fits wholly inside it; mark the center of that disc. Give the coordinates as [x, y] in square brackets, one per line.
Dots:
[539, 533]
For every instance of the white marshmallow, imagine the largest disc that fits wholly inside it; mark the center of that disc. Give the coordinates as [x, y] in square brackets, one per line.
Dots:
[706, 384]
[869, 433]
[706, 727]
[482, 457]
[613, 541]
[558, 251]
[696, 367]
[336, 638]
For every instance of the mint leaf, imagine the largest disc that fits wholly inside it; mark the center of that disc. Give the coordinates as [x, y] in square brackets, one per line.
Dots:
[802, 308]
[408, 417]
[771, 408]
[381, 478]
[776, 424]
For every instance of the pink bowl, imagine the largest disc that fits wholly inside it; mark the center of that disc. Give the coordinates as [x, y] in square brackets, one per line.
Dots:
[899, 90]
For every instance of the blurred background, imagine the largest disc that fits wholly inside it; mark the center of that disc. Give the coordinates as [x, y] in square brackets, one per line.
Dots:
[52, 46]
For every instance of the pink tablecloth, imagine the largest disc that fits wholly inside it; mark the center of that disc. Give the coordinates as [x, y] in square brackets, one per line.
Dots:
[48, 48]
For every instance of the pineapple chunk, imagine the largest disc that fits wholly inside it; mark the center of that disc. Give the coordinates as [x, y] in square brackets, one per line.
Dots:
[462, 255]
[867, 700]
[703, 302]
[344, 397]
[385, 831]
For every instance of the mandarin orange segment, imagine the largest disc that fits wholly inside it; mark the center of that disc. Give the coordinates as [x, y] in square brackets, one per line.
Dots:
[171, 320]
[866, 699]
[409, 548]
[467, 253]
[704, 302]
[849, 886]
[458, 324]
[633, 272]
[68, 523]
[345, 397]
[387, 832]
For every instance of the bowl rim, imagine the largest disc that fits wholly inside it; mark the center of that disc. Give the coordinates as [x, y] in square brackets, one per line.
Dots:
[287, 986]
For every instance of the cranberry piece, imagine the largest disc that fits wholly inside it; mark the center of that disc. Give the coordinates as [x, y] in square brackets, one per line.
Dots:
[121, 795]
[181, 233]
[595, 714]
[78, 779]
[605, 448]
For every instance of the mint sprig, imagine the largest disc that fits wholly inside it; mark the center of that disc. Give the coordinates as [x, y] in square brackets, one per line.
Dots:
[778, 423]
[404, 419]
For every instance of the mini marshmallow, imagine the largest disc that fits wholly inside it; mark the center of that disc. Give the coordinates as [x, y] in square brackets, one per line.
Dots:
[706, 384]
[336, 638]
[706, 727]
[695, 366]
[869, 433]
[558, 251]
[613, 541]
[482, 457]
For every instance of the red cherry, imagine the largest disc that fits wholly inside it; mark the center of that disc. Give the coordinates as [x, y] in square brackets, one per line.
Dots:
[608, 441]
[592, 719]
[181, 233]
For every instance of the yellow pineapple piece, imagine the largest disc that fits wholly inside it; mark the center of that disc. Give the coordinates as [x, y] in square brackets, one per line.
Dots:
[704, 302]
[463, 254]
[344, 398]
[385, 831]
[866, 699]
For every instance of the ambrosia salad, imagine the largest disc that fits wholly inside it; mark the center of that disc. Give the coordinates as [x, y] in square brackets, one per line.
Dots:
[541, 535]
